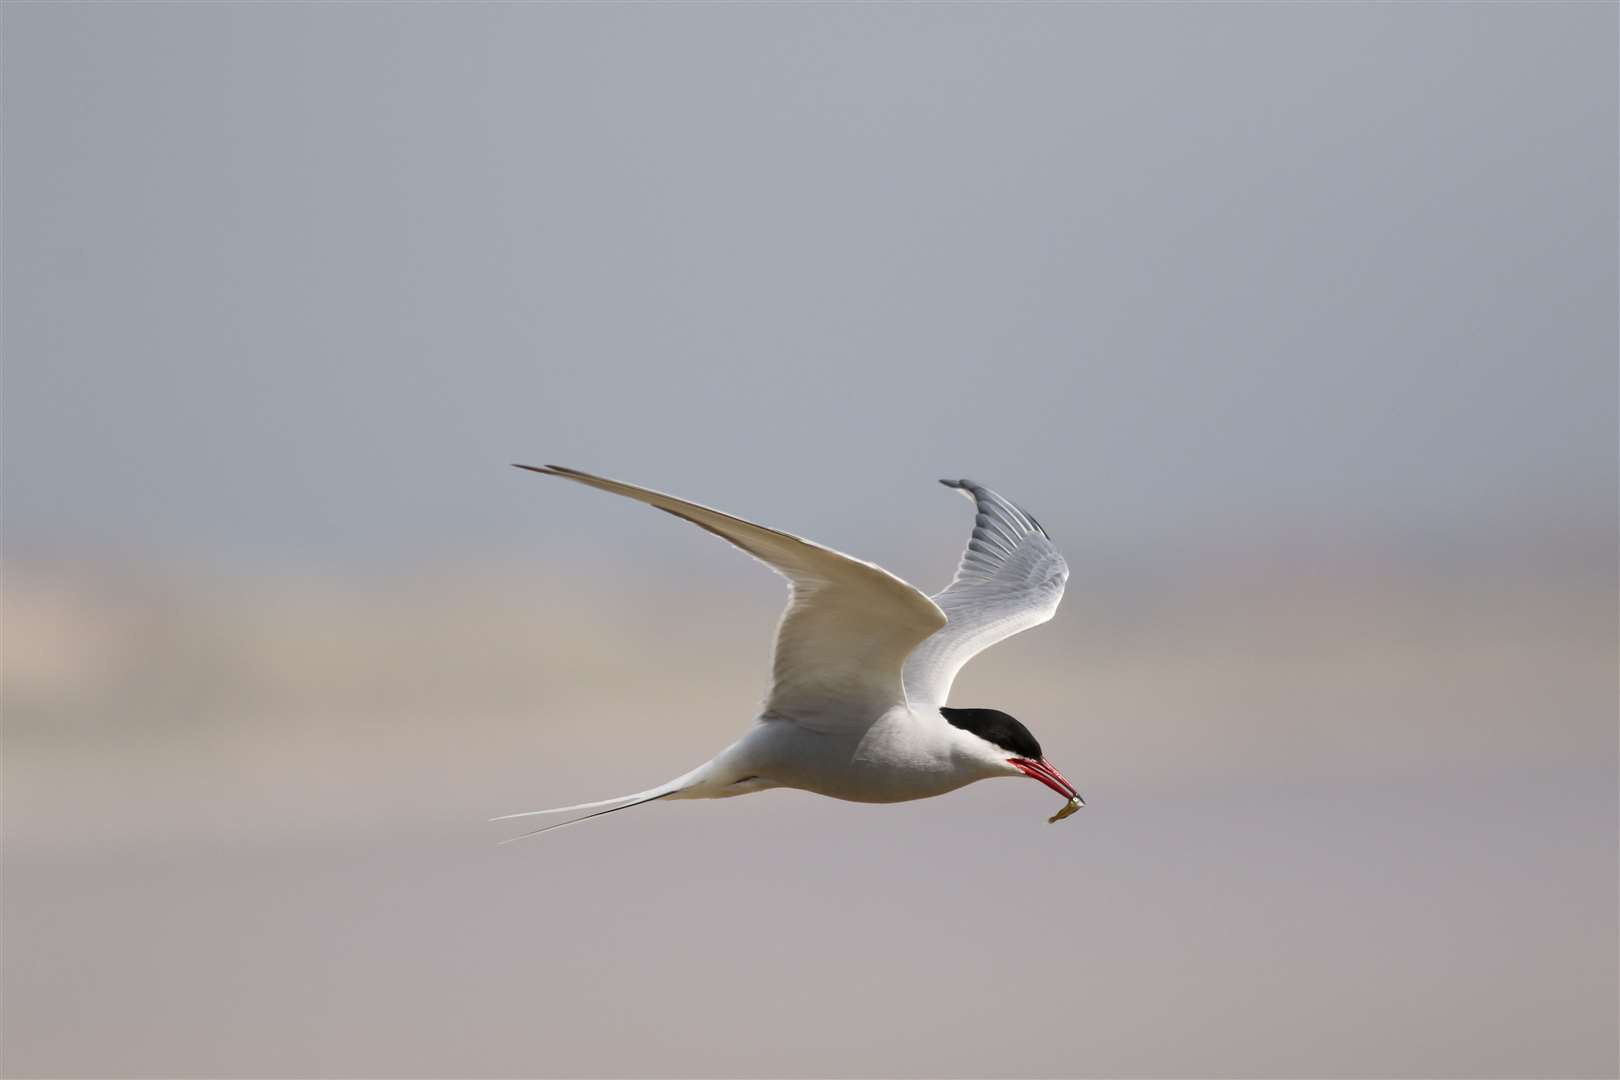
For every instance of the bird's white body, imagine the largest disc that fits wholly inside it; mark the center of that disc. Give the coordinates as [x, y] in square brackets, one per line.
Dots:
[899, 756]
[864, 663]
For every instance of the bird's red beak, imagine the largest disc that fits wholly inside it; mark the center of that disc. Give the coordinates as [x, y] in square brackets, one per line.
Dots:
[1048, 775]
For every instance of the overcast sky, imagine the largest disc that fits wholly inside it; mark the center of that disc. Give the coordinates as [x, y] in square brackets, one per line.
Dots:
[290, 284]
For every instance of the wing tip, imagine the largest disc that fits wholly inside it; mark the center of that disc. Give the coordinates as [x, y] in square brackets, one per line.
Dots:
[979, 491]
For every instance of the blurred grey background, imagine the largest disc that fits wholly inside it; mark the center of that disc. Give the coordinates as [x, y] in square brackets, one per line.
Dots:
[1296, 324]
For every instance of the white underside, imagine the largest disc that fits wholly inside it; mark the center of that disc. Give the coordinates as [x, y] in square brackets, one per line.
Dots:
[903, 755]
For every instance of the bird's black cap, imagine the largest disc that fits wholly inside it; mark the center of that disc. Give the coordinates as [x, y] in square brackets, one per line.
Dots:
[996, 727]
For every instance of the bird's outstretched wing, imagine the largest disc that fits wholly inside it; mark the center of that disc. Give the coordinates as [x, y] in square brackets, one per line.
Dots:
[848, 627]
[1011, 578]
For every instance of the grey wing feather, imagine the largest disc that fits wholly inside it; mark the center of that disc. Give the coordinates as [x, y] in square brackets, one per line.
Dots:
[1011, 578]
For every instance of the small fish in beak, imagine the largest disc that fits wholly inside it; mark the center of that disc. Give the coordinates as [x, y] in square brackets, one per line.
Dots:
[1068, 808]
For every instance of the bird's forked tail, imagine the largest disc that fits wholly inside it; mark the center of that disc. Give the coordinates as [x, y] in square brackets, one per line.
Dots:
[693, 785]
[624, 802]
[728, 773]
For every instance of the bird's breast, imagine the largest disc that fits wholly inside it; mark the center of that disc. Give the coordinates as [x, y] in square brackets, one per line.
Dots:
[890, 761]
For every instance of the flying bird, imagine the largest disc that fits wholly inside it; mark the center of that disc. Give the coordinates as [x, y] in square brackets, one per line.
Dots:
[864, 664]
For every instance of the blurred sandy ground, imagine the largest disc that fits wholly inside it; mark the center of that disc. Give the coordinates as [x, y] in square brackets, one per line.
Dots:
[1351, 816]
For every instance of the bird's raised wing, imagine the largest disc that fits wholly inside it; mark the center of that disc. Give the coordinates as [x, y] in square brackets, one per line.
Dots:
[848, 627]
[1010, 579]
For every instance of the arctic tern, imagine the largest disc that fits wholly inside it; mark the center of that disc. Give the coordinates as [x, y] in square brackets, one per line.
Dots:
[864, 663]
